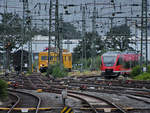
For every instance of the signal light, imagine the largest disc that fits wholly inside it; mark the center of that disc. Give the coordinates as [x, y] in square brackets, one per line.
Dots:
[7, 45]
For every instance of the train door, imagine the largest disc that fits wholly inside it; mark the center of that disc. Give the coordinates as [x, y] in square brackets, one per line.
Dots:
[67, 61]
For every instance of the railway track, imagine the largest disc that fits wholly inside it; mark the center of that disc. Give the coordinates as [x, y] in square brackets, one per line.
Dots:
[15, 103]
[140, 98]
[36, 81]
[102, 86]
[25, 101]
[97, 104]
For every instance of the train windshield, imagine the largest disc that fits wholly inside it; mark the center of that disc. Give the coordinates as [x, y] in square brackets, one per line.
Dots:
[109, 60]
[43, 57]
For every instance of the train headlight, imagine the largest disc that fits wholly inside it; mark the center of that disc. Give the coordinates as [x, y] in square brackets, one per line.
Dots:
[42, 65]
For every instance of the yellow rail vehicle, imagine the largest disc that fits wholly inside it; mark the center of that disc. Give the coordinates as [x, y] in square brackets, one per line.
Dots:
[54, 57]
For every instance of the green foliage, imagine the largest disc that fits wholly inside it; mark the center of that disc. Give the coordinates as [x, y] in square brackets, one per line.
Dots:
[98, 62]
[10, 28]
[3, 89]
[29, 72]
[50, 68]
[138, 75]
[35, 65]
[87, 63]
[39, 31]
[143, 76]
[56, 71]
[89, 51]
[148, 70]
[118, 38]
[136, 71]
[70, 31]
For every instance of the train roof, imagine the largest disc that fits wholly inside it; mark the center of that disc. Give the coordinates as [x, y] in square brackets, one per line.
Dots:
[115, 53]
[129, 52]
[55, 52]
[112, 53]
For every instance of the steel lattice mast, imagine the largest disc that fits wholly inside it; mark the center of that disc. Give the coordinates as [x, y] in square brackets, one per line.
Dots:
[26, 29]
[94, 33]
[144, 47]
[83, 36]
[23, 32]
[52, 25]
[55, 24]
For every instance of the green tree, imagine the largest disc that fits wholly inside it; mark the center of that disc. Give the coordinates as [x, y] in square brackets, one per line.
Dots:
[10, 32]
[38, 31]
[70, 31]
[119, 38]
[96, 49]
[56, 71]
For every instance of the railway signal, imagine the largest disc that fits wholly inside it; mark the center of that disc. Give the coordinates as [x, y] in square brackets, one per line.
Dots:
[8, 45]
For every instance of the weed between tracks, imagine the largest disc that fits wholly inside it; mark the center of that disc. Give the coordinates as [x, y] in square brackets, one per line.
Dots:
[87, 73]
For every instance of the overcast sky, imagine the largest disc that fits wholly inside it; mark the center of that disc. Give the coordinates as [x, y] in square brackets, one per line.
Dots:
[104, 8]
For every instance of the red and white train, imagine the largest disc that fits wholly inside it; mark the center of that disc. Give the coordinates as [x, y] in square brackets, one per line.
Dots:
[114, 63]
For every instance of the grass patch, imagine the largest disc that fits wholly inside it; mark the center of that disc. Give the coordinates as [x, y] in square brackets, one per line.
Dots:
[136, 71]
[3, 90]
[144, 76]
[56, 71]
[84, 73]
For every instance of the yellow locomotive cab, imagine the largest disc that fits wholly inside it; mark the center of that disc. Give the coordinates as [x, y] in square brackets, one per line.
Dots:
[54, 57]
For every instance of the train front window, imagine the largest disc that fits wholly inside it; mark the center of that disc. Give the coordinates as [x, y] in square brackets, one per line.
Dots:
[44, 57]
[109, 59]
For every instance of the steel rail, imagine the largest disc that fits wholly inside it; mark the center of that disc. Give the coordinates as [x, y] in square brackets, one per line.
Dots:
[17, 102]
[138, 97]
[27, 93]
[103, 99]
[39, 103]
[94, 109]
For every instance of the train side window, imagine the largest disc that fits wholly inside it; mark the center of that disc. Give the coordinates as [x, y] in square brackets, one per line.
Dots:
[44, 57]
[51, 57]
[57, 58]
